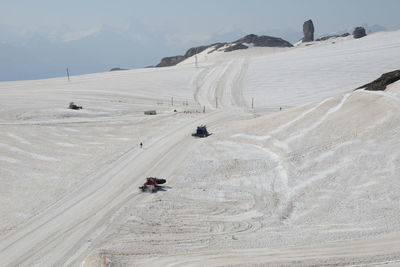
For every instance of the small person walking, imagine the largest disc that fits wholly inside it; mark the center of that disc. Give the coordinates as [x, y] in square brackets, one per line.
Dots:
[141, 145]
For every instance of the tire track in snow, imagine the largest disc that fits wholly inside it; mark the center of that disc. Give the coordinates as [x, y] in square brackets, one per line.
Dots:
[301, 116]
[199, 82]
[281, 191]
[19, 139]
[205, 85]
[283, 145]
[283, 162]
[345, 253]
[59, 232]
[218, 93]
[230, 87]
[221, 85]
[293, 191]
[27, 153]
[237, 88]
[304, 132]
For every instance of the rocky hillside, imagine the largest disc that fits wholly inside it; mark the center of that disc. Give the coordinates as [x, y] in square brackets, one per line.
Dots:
[247, 41]
[383, 81]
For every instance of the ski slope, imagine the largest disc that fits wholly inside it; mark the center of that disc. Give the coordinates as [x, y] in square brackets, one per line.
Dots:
[315, 183]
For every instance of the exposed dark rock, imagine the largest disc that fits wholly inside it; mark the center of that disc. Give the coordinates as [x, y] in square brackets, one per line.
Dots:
[383, 81]
[170, 61]
[116, 69]
[250, 38]
[269, 41]
[236, 47]
[326, 38]
[216, 47]
[259, 41]
[195, 50]
[359, 32]
[308, 30]
[332, 36]
[219, 45]
[263, 41]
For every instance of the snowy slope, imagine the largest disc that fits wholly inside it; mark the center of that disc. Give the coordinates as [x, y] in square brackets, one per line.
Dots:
[284, 77]
[307, 74]
[316, 173]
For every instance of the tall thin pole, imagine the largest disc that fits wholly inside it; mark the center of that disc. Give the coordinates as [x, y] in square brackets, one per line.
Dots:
[172, 101]
[216, 102]
[196, 64]
[68, 75]
[252, 103]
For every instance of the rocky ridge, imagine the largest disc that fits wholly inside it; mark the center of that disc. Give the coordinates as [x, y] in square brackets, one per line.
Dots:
[247, 41]
[383, 81]
[117, 69]
[332, 36]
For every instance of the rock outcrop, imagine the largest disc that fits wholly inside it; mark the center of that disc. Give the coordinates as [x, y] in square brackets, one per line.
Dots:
[116, 69]
[170, 61]
[263, 41]
[359, 32]
[242, 43]
[383, 81]
[236, 47]
[195, 50]
[332, 36]
[308, 30]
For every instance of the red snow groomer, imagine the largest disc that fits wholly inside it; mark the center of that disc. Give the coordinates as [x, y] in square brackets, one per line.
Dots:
[152, 184]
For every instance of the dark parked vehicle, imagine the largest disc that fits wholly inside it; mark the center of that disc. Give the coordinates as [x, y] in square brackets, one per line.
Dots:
[201, 131]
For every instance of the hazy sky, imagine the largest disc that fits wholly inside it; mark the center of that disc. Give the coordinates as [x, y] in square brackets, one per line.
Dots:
[96, 35]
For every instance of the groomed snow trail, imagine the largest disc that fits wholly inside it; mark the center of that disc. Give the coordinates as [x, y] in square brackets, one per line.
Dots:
[60, 235]
[355, 253]
[264, 208]
[55, 236]
[220, 85]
